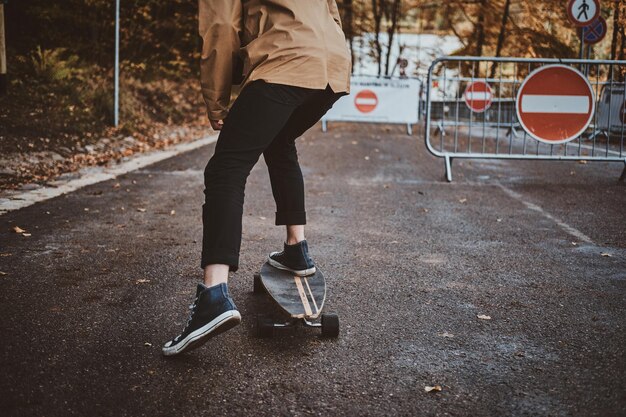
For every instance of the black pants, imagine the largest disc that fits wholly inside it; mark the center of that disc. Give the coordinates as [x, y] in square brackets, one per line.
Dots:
[265, 119]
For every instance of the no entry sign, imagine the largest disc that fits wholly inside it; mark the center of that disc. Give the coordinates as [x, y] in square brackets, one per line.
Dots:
[378, 100]
[365, 101]
[555, 104]
[594, 32]
[583, 12]
[478, 96]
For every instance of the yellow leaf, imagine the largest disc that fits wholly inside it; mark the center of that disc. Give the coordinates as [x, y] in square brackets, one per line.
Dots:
[435, 388]
[18, 229]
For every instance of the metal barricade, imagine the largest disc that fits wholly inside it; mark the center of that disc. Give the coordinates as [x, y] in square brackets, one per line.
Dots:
[453, 130]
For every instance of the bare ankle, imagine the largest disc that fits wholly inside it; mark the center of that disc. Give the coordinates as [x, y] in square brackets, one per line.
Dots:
[215, 274]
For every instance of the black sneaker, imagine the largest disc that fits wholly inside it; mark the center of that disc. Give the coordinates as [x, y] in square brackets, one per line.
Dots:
[294, 258]
[213, 312]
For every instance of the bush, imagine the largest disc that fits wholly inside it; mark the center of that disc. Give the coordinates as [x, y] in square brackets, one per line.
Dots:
[48, 65]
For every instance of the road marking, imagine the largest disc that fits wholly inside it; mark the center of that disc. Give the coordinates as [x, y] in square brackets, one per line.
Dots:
[93, 175]
[535, 103]
[566, 227]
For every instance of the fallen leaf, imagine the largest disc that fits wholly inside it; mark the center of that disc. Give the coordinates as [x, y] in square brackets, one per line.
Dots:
[147, 344]
[574, 243]
[26, 234]
[583, 162]
[483, 317]
[262, 218]
[367, 158]
[86, 209]
[498, 220]
[116, 185]
[606, 255]
[172, 212]
[142, 281]
[18, 229]
[436, 388]
[3, 273]
[142, 210]
[445, 334]
[463, 200]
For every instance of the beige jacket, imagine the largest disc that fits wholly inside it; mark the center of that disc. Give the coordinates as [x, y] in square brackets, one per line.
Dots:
[293, 42]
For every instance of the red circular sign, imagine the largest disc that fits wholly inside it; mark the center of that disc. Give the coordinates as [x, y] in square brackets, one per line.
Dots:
[594, 32]
[478, 96]
[583, 12]
[365, 101]
[555, 104]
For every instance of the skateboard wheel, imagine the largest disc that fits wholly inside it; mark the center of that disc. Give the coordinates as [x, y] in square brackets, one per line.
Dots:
[258, 286]
[330, 325]
[264, 326]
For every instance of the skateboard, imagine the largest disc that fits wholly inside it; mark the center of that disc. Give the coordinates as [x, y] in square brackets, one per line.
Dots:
[301, 298]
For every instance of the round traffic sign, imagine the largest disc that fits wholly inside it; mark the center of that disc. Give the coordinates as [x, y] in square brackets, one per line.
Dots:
[583, 12]
[594, 32]
[555, 104]
[365, 101]
[478, 96]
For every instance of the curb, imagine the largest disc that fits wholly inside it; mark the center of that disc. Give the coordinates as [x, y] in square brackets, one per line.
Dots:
[93, 175]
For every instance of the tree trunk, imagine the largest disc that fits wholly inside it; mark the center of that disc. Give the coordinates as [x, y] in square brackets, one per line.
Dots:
[480, 28]
[502, 34]
[378, 15]
[348, 13]
[615, 30]
[391, 31]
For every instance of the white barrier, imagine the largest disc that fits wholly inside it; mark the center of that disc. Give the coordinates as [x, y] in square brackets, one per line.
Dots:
[378, 100]
[611, 114]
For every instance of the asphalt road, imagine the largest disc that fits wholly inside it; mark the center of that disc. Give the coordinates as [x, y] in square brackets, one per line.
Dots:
[87, 301]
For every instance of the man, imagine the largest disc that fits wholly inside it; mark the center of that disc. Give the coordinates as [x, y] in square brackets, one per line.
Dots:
[295, 65]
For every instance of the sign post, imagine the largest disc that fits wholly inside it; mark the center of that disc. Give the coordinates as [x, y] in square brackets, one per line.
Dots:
[116, 100]
[555, 104]
[478, 96]
[3, 52]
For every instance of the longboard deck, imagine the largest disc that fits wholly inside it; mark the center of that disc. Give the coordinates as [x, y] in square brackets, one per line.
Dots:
[300, 297]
